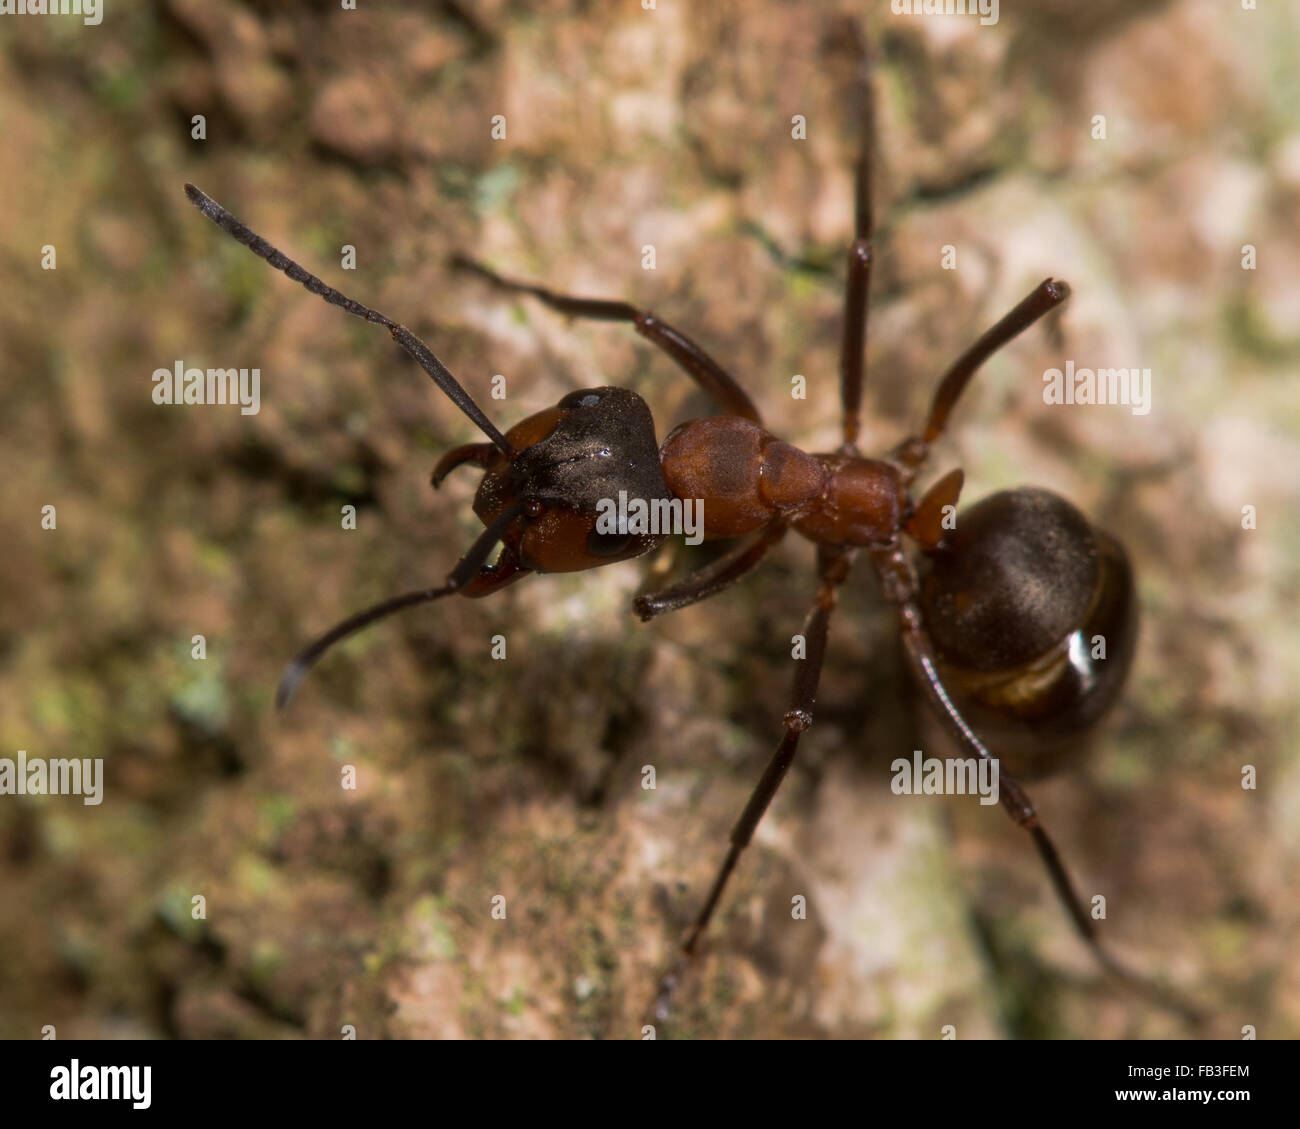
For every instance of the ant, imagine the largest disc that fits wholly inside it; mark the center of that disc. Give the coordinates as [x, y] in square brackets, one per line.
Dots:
[997, 625]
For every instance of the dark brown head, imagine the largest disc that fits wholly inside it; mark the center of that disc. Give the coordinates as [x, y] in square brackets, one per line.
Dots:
[572, 463]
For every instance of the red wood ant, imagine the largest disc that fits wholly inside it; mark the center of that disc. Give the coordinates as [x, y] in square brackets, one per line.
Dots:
[996, 627]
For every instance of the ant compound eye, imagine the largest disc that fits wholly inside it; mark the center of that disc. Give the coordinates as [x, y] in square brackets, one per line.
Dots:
[607, 544]
[534, 508]
[583, 398]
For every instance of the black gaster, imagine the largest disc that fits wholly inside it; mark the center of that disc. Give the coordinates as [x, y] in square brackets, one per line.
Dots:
[1014, 580]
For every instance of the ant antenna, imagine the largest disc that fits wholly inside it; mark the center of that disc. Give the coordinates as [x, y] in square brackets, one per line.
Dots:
[403, 336]
[465, 571]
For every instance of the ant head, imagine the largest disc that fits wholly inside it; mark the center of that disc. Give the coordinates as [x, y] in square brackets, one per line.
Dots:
[549, 485]
[572, 462]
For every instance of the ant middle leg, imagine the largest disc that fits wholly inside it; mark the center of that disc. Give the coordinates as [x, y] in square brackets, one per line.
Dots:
[857, 286]
[833, 570]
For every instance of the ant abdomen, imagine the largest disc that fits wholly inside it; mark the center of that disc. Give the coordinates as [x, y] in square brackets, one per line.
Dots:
[1033, 614]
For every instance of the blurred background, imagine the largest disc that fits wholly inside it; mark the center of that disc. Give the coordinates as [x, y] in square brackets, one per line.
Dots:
[521, 777]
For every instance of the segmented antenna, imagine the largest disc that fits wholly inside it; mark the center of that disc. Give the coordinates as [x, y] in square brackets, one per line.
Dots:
[466, 569]
[404, 337]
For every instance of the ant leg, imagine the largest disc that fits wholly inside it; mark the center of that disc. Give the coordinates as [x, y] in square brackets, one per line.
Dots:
[926, 525]
[1044, 298]
[898, 581]
[711, 579]
[853, 350]
[719, 384]
[472, 576]
[833, 570]
[857, 297]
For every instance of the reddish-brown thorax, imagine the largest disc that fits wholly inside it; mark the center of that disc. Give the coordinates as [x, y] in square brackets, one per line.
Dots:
[746, 478]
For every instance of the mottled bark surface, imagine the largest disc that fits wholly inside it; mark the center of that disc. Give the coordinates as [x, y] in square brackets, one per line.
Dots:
[522, 777]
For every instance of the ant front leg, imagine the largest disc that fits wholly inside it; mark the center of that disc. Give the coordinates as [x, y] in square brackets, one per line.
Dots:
[712, 578]
[833, 570]
[716, 382]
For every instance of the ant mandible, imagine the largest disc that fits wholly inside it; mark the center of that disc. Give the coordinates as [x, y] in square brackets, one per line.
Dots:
[996, 633]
